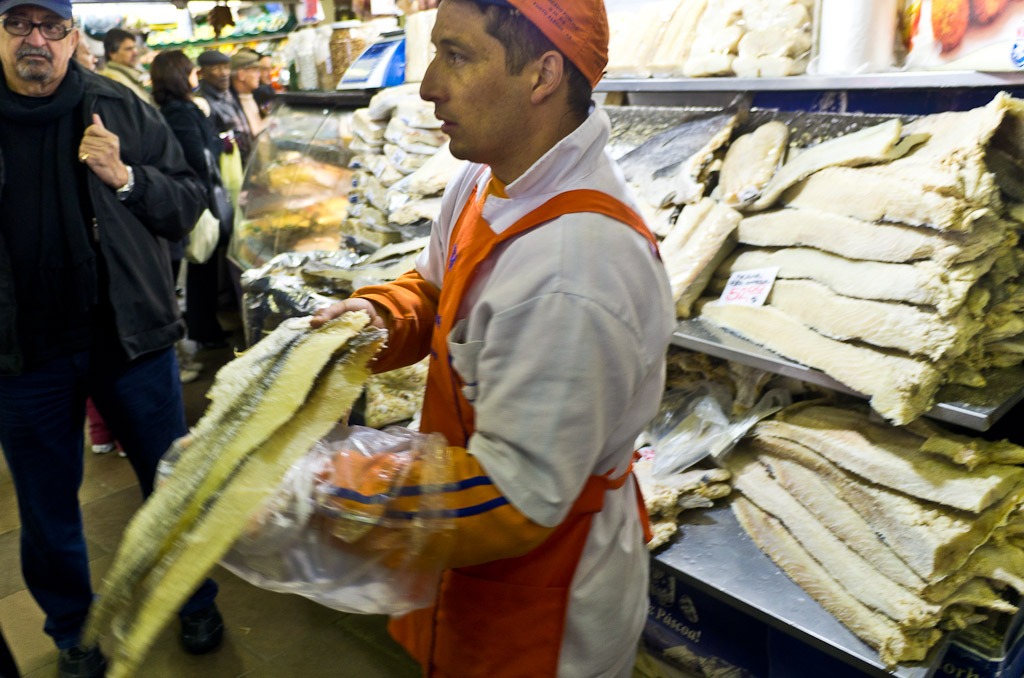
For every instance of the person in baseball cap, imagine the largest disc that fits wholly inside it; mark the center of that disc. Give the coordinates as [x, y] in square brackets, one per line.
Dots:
[546, 314]
[212, 57]
[62, 8]
[578, 28]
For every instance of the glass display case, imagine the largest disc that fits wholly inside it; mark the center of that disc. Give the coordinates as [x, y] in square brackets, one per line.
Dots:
[295, 194]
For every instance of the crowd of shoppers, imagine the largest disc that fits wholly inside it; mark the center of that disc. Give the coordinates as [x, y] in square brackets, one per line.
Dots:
[99, 159]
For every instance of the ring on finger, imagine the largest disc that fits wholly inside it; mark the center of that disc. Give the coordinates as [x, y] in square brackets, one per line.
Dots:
[83, 157]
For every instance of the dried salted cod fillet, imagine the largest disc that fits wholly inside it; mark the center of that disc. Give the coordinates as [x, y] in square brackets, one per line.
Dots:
[893, 643]
[160, 520]
[933, 540]
[925, 282]
[952, 162]
[702, 244]
[662, 493]
[883, 457]
[842, 520]
[842, 190]
[901, 388]
[856, 574]
[240, 417]
[677, 39]
[965, 450]
[856, 239]
[937, 184]
[1003, 563]
[750, 163]
[226, 512]
[912, 329]
[880, 143]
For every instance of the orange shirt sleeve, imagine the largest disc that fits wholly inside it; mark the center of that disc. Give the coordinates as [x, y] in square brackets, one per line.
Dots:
[411, 303]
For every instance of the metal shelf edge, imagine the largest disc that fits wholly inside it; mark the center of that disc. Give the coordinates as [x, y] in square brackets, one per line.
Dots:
[910, 80]
[698, 336]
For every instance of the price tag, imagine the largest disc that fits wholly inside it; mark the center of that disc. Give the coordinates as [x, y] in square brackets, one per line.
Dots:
[749, 288]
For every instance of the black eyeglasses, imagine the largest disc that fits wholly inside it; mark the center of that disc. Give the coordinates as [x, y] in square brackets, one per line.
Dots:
[51, 30]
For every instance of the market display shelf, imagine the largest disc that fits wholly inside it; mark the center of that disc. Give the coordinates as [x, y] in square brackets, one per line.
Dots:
[867, 81]
[973, 408]
[714, 554]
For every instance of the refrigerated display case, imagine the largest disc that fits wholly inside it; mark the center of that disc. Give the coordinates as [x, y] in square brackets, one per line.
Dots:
[294, 196]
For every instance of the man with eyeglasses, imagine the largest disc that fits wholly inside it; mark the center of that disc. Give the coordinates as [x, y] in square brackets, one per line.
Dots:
[122, 54]
[92, 185]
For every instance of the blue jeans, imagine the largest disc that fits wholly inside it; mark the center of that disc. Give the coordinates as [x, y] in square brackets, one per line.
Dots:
[41, 433]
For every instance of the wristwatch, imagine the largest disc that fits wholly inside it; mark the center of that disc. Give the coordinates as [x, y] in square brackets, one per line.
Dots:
[123, 192]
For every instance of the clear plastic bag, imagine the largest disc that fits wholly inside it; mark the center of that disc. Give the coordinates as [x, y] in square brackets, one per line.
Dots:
[357, 525]
[693, 424]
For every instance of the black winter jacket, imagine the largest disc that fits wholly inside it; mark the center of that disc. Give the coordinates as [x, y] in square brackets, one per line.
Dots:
[164, 205]
[226, 114]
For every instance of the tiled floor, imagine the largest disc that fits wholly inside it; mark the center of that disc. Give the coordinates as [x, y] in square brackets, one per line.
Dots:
[269, 635]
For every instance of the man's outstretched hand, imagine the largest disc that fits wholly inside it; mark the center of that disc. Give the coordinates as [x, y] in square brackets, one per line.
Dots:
[325, 315]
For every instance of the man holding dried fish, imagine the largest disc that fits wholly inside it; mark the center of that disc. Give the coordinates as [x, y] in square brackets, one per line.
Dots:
[546, 312]
[92, 184]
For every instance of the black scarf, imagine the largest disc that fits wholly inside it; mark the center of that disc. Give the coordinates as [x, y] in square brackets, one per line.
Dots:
[44, 226]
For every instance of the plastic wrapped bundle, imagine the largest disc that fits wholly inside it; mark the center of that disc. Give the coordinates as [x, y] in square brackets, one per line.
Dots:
[358, 525]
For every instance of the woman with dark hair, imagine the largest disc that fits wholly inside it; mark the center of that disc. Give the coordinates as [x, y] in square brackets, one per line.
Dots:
[174, 78]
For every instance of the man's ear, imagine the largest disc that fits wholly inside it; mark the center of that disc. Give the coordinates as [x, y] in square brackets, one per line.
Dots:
[76, 35]
[550, 71]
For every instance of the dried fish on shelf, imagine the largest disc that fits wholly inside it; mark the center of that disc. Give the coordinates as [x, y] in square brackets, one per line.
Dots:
[916, 283]
[667, 496]
[891, 538]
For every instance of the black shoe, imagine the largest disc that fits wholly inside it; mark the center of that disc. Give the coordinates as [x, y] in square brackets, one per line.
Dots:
[202, 631]
[77, 662]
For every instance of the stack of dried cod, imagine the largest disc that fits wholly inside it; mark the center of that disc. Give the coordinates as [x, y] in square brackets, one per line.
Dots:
[898, 269]
[268, 408]
[898, 532]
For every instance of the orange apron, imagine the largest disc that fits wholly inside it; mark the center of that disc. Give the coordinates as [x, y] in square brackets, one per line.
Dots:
[503, 619]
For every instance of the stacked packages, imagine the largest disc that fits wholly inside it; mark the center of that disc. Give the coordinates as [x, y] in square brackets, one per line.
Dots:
[402, 166]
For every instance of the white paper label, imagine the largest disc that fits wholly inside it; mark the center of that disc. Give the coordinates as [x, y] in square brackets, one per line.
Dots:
[749, 288]
[383, 7]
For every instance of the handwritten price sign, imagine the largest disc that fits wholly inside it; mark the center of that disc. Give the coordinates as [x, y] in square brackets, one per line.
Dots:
[749, 288]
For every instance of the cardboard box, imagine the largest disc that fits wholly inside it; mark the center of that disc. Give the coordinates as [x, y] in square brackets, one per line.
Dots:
[982, 652]
[690, 630]
[703, 636]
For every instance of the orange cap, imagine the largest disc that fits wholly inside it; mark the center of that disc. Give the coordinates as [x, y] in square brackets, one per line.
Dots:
[578, 28]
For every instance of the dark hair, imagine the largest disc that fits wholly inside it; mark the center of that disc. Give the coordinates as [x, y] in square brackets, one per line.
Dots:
[524, 42]
[113, 40]
[169, 73]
